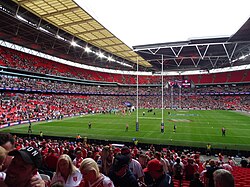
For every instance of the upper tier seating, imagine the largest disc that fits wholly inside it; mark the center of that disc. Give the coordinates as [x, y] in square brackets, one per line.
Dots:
[19, 60]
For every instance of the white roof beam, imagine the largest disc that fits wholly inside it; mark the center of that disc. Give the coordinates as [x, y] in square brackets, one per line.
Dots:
[178, 63]
[154, 52]
[213, 63]
[202, 55]
[179, 51]
[196, 63]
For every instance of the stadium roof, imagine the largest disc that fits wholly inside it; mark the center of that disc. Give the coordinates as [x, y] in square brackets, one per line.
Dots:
[200, 53]
[67, 16]
[47, 25]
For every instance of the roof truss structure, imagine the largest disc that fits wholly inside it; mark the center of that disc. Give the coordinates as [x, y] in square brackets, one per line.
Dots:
[200, 54]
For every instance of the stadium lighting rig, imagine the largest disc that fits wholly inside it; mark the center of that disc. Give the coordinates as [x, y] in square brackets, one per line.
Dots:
[87, 49]
[240, 58]
[73, 43]
[110, 59]
[102, 55]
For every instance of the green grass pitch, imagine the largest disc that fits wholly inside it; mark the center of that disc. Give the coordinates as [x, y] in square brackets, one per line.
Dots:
[195, 128]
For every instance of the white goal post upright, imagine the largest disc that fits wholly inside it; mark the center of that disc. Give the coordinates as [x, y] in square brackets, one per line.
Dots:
[162, 94]
[137, 98]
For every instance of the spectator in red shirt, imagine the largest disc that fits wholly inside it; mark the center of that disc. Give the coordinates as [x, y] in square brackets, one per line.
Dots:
[190, 169]
[51, 160]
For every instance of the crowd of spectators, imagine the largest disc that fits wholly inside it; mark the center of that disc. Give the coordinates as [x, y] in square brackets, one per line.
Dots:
[56, 164]
[22, 61]
[17, 107]
[46, 85]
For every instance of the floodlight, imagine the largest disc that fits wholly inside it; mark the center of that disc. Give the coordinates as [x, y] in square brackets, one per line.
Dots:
[87, 49]
[110, 59]
[73, 43]
[21, 18]
[101, 55]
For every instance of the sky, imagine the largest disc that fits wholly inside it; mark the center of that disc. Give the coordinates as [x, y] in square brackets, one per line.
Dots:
[141, 22]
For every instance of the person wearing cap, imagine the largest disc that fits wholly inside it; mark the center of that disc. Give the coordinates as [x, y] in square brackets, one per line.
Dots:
[156, 172]
[120, 173]
[134, 165]
[66, 173]
[23, 169]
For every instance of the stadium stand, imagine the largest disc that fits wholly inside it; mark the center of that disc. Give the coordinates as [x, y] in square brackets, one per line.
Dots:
[35, 89]
[18, 60]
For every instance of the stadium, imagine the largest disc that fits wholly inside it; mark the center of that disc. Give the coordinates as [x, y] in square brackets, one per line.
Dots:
[64, 74]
